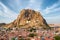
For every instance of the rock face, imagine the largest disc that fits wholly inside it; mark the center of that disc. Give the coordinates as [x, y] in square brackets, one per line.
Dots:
[29, 18]
[1, 24]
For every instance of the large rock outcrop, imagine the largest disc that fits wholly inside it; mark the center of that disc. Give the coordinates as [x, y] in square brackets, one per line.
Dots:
[29, 18]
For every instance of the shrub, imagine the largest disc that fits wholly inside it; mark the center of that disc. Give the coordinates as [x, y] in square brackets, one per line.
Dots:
[32, 29]
[32, 35]
[57, 37]
[13, 38]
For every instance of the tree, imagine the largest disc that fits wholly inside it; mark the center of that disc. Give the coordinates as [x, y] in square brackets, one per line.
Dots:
[32, 29]
[13, 38]
[57, 37]
[32, 35]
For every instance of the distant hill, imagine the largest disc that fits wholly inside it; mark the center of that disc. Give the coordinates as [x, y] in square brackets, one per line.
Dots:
[1, 24]
[53, 25]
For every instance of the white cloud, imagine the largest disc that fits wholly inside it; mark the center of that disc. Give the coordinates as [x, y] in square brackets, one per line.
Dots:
[15, 5]
[34, 4]
[52, 8]
[53, 17]
[6, 12]
[53, 20]
[32, 1]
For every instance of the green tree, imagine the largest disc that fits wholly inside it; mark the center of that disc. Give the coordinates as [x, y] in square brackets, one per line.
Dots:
[57, 37]
[22, 39]
[32, 35]
[13, 38]
[32, 29]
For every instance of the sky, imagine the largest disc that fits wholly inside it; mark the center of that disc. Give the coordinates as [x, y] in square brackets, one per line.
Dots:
[49, 9]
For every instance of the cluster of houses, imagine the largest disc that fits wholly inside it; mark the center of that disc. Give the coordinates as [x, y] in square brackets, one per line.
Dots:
[27, 34]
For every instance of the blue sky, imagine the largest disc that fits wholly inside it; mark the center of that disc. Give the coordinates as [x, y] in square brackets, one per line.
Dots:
[50, 9]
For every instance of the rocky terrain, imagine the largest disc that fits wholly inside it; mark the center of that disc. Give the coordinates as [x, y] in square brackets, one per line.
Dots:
[29, 18]
[1, 24]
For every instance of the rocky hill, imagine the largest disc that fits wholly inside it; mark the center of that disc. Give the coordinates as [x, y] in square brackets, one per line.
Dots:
[29, 18]
[1, 24]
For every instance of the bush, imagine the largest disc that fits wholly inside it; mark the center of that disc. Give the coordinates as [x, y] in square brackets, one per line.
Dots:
[57, 37]
[32, 35]
[32, 29]
[22, 39]
[13, 38]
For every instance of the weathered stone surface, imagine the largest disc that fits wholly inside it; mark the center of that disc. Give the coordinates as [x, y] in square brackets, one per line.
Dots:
[29, 18]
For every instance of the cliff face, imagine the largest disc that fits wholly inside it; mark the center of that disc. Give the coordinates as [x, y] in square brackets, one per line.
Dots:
[29, 18]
